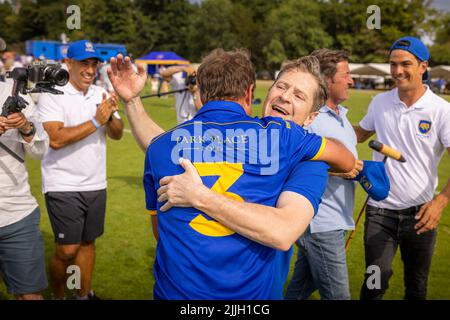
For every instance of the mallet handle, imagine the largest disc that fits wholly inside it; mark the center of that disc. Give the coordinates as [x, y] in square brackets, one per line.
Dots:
[386, 150]
[352, 234]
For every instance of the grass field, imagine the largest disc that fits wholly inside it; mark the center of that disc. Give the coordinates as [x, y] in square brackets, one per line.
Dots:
[125, 253]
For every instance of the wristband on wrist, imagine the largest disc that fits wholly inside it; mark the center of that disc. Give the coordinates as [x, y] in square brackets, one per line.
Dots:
[95, 123]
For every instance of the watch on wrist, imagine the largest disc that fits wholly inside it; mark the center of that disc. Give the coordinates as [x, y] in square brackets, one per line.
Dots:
[31, 132]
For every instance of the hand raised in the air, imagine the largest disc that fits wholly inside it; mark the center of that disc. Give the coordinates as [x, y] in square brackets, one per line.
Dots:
[126, 82]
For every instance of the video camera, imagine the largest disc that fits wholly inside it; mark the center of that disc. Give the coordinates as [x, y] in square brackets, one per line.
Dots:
[47, 75]
[44, 76]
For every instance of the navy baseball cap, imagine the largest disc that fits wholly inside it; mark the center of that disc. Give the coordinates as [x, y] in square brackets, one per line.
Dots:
[83, 49]
[414, 46]
[374, 180]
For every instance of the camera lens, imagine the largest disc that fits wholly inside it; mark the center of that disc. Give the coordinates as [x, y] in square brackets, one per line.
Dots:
[56, 75]
[61, 77]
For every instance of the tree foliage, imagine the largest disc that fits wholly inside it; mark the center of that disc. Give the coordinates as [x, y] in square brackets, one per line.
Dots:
[440, 51]
[271, 30]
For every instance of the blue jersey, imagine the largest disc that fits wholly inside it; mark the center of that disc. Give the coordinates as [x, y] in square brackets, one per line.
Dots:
[247, 159]
[309, 179]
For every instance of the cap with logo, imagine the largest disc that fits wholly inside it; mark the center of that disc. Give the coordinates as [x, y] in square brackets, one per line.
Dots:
[374, 180]
[83, 49]
[415, 47]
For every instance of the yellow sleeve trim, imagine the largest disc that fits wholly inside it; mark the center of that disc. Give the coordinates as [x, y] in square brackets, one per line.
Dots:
[322, 147]
[152, 212]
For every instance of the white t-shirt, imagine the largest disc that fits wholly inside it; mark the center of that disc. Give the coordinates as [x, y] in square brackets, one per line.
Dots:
[80, 166]
[16, 201]
[184, 102]
[421, 133]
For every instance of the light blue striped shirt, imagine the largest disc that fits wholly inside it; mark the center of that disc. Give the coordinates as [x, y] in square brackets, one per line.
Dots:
[336, 210]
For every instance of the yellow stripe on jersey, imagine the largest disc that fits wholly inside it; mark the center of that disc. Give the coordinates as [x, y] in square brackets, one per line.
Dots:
[152, 212]
[322, 147]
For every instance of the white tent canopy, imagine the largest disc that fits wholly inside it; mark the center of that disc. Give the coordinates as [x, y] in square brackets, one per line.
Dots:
[440, 71]
[354, 66]
[372, 70]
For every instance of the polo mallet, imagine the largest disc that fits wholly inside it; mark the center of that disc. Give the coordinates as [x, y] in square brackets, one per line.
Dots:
[387, 152]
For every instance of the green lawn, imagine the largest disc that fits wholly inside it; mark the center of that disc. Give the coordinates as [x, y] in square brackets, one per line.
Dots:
[126, 251]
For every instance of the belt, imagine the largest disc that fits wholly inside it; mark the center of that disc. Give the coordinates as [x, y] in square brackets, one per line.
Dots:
[410, 210]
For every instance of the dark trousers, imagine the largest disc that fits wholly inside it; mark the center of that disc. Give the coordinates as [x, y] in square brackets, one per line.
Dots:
[384, 231]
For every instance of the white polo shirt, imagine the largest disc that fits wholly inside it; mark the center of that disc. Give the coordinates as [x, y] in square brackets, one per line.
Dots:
[421, 133]
[80, 166]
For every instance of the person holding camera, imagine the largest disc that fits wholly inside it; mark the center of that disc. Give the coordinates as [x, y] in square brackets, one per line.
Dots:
[22, 259]
[187, 102]
[74, 169]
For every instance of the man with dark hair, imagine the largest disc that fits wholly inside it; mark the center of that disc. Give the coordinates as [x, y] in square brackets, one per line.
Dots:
[74, 169]
[321, 261]
[415, 121]
[230, 246]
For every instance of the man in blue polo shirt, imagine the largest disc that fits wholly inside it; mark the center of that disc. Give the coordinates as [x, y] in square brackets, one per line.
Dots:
[296, 90]
[321, 260]
[230, 252]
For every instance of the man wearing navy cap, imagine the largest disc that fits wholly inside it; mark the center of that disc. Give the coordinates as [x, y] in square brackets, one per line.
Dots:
[416, 122]
[74, 169]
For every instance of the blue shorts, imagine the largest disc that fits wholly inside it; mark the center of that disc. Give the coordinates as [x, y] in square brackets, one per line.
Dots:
[22, 259]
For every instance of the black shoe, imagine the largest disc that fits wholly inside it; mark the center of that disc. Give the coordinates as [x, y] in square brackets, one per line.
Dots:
[93, 296]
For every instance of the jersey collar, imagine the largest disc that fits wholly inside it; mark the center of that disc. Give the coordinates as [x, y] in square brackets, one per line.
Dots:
[342, 111]
[223, 106]
[70, 89]
[422, 103]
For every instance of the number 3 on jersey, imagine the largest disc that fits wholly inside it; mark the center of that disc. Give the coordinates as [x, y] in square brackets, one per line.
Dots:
[228, 174]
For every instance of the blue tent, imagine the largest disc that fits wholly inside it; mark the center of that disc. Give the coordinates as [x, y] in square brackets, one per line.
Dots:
[162, 57]
[156, 58]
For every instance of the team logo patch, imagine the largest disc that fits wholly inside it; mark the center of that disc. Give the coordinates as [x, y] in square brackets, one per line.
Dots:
[366, 183]
[89, 47]
[424, 126]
